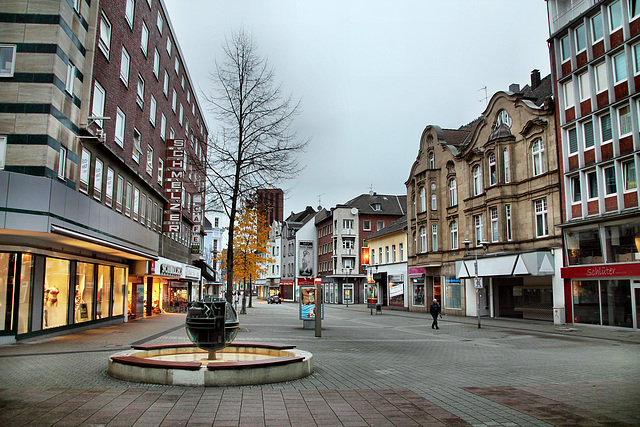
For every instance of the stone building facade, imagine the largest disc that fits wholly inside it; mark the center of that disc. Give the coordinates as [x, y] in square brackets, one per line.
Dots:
[492, 184]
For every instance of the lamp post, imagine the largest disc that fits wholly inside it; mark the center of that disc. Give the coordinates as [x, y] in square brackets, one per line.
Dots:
[476, 282]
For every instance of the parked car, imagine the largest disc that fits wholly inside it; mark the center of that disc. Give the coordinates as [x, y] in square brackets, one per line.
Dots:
[274, 299]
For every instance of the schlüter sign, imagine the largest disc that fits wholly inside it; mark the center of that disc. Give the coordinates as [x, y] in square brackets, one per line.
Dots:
[173, 185]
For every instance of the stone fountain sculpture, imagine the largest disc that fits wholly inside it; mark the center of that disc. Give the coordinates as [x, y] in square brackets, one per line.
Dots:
[211, 324]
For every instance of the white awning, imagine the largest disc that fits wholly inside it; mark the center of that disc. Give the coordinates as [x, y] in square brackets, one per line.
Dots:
[530, 263]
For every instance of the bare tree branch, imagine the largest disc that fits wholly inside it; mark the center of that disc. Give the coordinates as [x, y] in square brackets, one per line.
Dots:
[256, 146]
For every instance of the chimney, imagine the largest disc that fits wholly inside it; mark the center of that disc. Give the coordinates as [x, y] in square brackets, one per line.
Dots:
[514, 87]
[535, 79]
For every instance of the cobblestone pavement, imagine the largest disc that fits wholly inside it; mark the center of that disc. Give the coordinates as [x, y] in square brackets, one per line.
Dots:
[389, 369]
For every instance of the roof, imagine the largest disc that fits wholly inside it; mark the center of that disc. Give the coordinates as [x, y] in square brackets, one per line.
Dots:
[397, 225]
[540, 93]
[389, 204]
[301, 217]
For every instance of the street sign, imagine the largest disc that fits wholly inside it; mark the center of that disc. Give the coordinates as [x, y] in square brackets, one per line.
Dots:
[478, 282]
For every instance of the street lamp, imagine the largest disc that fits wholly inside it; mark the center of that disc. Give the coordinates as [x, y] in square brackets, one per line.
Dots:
[476, 281]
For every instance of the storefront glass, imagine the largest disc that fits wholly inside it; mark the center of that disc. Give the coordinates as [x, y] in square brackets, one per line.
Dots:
[604, 302]
[396, 291]
[103, 300]
[6, 283]
[583, 246]
[418, 291]
[453, 293]
[56, 293]
[119, 283]
[622, 242]
[437, 289]
[26, 284]
[85, 276]
[372, 293]
[615, 300]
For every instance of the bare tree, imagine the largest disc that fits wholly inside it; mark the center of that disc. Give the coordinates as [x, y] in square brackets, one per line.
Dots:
[256, 145]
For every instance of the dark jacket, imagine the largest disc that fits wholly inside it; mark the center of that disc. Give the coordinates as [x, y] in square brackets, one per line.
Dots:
[434, 309]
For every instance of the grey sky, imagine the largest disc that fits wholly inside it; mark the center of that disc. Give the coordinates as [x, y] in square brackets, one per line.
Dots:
[371, 74]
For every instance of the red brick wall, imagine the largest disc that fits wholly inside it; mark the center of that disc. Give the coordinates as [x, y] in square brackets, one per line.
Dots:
[630, 200]
[611, 203]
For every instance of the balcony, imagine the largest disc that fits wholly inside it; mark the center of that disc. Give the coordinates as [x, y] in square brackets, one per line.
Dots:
[347, 232]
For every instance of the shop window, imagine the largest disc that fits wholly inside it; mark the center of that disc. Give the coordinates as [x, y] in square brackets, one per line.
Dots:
[7, 274]
[55, 309]
[103, 294]
[26, 284]
[583, 246]
[604, 302]
[418, 291]
[453, 293]
[620, 242]
[85, 286]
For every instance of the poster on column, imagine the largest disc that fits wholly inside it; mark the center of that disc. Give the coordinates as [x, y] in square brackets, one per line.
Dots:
[308, 303]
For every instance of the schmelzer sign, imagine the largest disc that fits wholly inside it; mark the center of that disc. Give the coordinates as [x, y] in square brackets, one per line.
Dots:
[173, 184]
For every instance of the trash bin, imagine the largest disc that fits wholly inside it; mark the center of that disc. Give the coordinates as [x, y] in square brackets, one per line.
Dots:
[558, 316]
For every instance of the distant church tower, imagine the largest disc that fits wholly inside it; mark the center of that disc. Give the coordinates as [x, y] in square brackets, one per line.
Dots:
[271, 203]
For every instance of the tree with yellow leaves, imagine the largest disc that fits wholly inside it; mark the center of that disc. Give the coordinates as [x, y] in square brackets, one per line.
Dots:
[250, 254]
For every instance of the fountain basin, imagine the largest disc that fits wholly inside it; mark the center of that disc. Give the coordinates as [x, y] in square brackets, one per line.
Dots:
[186, 365]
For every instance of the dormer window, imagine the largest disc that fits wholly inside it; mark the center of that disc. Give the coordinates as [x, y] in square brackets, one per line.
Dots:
[376, 206]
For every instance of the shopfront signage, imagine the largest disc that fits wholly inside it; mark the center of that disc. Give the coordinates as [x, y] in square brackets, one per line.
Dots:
[170, 270]
[173, 185]
[415, 271]
[616, 270]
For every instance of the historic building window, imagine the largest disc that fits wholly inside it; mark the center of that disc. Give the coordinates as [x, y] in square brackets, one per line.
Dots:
[477, 180]
[434, 202]
[432, 161]
[479, 231]
[494, 224]
[453, 193]
[507, 218]
[423, 199]
[454, 235]
[423, 239]
[537, 151]
[542, 227]
[505, 159]
[492, 169]
[434, 237]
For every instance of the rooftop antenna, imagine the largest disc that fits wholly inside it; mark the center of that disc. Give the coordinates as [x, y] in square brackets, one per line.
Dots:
[371, 192]
[486, 96]
[320, 201]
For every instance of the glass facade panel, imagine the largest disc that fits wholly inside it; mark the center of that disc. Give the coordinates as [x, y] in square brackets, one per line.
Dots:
[85, 287]
[103, 300]
[24, 303]
[586, 305]
[583, 246]
[615, 300]
[418, 291]
[56, 293]
[119, 291]
[622, 242]
[453, 292]
[6, 288]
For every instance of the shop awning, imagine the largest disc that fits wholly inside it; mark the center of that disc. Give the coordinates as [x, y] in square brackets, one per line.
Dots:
[540, 263]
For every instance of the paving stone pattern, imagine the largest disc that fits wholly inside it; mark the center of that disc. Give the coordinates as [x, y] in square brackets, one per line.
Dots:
[380, 370]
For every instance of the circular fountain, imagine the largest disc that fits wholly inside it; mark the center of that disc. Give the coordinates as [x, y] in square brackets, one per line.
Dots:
[211, 359]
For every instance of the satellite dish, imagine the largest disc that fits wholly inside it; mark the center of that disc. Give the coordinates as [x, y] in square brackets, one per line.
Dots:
[354, 211]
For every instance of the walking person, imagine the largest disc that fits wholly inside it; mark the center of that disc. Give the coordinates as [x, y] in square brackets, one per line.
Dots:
[434, 309]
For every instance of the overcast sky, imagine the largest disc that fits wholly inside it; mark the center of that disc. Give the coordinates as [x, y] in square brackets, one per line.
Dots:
[372, 74]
